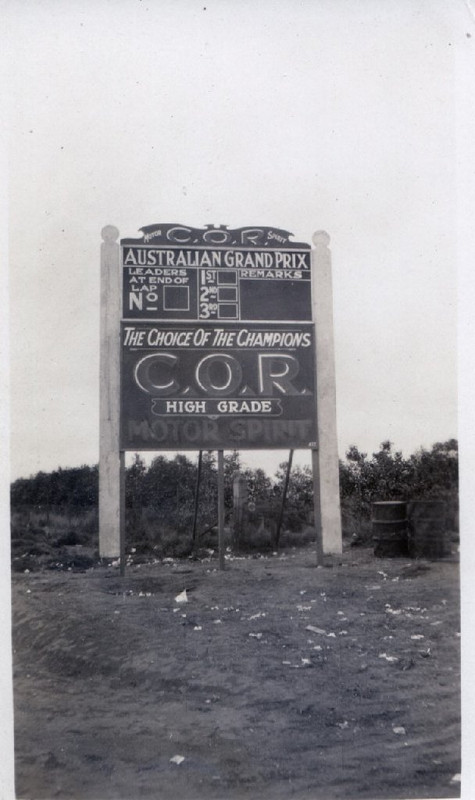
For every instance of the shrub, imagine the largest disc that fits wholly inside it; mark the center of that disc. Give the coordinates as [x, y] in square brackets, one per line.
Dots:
[427, 474]
[60, 509]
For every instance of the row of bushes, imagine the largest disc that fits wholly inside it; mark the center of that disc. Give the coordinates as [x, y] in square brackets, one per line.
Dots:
[60, 508]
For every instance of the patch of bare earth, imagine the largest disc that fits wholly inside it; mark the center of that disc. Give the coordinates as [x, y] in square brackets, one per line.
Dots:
[276, 679]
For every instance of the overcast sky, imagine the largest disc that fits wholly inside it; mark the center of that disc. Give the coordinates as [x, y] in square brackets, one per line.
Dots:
[321, 114]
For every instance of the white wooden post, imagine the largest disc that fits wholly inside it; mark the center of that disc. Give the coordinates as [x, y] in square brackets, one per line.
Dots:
[326, 395]
[109, 381]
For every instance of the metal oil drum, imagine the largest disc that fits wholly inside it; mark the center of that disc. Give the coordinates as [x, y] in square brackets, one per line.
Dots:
[390, 528]
[427, 529]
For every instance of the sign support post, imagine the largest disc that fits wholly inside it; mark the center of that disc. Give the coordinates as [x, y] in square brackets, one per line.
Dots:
[109, 459]
[284, 498]
[221, 508]
[122, 514]
[197, 490]
[325, 459]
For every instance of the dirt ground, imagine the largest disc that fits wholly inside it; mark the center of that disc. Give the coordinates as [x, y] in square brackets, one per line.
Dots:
[277, 679]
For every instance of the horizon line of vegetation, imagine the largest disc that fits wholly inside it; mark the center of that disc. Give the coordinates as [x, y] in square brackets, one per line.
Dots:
[385, 475]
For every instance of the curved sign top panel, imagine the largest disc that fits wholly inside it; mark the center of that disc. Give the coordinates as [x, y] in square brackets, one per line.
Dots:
[173, 234]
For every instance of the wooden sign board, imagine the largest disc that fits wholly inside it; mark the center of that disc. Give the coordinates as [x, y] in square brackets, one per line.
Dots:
[217, 340]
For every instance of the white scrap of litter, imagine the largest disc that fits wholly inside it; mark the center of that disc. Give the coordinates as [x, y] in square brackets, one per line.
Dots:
[177, 759]
[417, 636]
[182, 598]
[400, 730]
[316, 630]
[388, 658]
[304, 608]
[256, 635]
[217, 621]
[258, 615]
[197, 628]
[305, 661]
[456, 778]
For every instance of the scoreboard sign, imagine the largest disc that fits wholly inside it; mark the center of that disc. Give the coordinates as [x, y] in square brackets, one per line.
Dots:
[217, 340]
